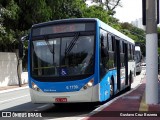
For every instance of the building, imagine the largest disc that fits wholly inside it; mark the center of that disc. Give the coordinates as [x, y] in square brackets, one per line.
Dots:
[138, 23]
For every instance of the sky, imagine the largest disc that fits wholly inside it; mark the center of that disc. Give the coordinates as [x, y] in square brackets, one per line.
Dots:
[130, 10]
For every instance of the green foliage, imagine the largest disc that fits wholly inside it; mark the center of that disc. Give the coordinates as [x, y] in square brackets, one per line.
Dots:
[32, 12]
[109, 5]
[8, 14]
[137, 34]
[62, 9]
[96, 12]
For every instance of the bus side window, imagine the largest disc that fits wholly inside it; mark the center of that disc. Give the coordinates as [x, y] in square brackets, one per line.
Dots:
[110, 42]
[104, 52]
[122, 46]
[133, 49]
[104, 45]
[129, 52]
[121, 53]
[132, 53]
[113, 43]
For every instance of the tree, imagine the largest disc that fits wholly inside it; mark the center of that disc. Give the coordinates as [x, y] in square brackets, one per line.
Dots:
[8, 13]
[96, 12]
[32, 12]
[62, 9]
[109, 5]
[137, 34]
[3, 11]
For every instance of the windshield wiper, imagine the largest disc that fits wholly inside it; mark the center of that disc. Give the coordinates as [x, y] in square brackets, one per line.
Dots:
[72, 43]
[50, 46]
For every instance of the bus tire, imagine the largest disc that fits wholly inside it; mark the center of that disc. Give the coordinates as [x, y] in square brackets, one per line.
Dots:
[130, 80]
[111, 87]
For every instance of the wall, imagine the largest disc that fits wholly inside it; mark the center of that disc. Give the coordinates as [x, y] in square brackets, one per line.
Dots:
[8, 69]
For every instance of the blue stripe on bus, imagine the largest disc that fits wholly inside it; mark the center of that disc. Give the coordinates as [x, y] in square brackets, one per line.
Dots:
[29, 62]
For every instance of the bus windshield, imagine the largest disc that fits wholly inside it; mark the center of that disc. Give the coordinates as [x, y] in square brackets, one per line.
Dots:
[63, 56]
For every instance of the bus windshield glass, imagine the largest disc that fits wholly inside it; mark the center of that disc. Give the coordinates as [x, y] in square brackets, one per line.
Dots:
[63, 56]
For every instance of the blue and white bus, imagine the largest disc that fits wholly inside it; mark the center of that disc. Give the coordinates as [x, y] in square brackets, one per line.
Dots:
[78, 60]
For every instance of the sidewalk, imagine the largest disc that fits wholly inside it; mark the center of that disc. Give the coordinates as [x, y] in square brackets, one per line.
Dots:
[131, 106]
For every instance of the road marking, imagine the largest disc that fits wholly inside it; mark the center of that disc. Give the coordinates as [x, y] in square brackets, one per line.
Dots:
[1, 102]
[42, 106]
[143, 106]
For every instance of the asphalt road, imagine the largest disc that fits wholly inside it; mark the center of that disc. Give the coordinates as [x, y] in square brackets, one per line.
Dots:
[20, 101]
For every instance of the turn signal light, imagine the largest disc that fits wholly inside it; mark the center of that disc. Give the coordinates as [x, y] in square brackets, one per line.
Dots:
[89, 84]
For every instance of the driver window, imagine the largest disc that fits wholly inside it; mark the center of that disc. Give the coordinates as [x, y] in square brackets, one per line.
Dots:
[103, 52]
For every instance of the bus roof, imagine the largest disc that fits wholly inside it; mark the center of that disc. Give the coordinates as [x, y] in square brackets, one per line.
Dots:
[115, 32]
[100, 23]
[65, 21]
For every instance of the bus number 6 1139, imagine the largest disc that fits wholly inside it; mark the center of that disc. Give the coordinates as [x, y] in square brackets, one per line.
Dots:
[73, 87]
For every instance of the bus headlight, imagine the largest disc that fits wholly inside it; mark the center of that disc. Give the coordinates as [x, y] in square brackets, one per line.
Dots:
[89, 84]
[35, 87]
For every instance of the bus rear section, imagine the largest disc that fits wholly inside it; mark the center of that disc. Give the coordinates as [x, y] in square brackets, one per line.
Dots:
[138, 59]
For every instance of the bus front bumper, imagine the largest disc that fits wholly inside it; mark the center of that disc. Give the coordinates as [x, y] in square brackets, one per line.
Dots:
[89, 95]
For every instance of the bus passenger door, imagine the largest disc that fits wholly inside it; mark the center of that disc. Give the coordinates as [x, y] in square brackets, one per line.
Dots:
[118, 65]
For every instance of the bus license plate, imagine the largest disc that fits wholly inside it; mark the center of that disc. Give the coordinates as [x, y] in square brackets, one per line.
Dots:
[61, 100]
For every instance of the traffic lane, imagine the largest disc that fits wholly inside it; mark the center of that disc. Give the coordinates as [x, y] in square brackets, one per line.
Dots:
[13, 94]
[22, 103]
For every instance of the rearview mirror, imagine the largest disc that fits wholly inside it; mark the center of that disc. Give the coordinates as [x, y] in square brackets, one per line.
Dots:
[24, 38]
[21, 46]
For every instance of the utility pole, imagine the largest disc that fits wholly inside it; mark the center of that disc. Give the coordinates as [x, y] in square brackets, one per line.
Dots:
[151, 53]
